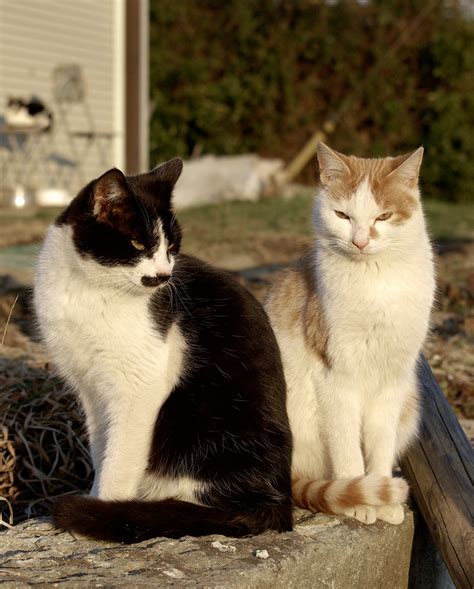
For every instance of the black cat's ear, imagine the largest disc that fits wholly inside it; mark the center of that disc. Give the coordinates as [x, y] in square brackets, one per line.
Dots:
[109, 192]
[169, 172]
[331, 164]
[160, 181]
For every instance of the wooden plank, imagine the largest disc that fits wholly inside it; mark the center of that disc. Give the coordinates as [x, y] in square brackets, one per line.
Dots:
[137, 91]
[440, 469]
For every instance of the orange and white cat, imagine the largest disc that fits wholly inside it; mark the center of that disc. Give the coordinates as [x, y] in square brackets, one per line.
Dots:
[350, 318]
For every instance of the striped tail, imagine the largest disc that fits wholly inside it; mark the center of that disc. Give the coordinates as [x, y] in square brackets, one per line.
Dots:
[341, 495]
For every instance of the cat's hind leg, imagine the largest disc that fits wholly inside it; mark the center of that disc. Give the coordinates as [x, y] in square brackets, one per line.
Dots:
[408, 423]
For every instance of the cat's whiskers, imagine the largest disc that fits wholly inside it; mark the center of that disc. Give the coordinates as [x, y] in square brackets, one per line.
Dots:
[182, 286]
[177, 292]
[169, 286]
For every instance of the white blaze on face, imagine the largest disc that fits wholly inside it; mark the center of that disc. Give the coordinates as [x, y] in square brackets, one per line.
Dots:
[362, 209]
[160, 264]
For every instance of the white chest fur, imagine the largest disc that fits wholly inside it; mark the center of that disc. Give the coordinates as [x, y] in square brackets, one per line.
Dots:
[105, 345]
[97, 332]
[377, 310]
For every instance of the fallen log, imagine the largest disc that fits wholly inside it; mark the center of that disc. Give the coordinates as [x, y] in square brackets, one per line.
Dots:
[440, 469]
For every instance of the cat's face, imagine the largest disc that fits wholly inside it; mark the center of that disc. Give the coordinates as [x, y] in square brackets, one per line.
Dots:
[124, 230]
[366, 206]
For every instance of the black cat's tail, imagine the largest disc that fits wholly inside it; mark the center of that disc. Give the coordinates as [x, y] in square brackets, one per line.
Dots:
[134, 521]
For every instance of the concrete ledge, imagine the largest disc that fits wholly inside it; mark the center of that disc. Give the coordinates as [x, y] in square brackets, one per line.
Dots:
[323, 551]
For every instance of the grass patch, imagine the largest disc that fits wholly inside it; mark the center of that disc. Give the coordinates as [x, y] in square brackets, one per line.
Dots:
[285, 215]
[262, 232]
[448, 221]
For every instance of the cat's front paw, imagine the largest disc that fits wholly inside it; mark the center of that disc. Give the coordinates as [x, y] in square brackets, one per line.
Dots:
[392, 514]
[363, 513]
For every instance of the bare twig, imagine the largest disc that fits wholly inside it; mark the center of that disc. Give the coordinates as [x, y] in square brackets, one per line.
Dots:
[8, 320]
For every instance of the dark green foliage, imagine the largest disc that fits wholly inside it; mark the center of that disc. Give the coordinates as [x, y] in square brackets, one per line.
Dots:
[264, 75]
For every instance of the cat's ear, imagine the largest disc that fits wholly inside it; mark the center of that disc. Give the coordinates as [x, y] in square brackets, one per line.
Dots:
[161, 180]
[108, 192]
[169, 172]
[331, 164]
[406, 168]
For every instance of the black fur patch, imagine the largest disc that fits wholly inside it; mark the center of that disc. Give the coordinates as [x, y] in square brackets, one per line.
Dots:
[226, 421]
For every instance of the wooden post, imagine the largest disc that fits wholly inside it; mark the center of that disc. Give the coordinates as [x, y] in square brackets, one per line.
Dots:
[440, 469]
[137, 110]
[306, 153]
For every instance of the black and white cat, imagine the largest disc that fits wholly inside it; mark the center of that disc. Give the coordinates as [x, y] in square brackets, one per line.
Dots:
[175, 364]
[29, 114]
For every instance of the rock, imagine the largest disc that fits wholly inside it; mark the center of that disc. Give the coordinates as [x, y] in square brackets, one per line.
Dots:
[323, 551]
[263, 554]
[224, 547]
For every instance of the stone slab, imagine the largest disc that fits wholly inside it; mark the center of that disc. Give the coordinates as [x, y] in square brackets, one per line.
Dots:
[322, 551]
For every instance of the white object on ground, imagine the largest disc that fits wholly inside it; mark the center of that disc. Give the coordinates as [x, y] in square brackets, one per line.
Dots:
[224, 547]
[262, 554]
[212, 179]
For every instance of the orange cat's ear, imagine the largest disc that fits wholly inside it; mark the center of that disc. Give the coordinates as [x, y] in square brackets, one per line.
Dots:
[331, 164]
[406, 168]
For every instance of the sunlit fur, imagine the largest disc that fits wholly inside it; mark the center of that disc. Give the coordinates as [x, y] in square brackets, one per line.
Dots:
[350, 323]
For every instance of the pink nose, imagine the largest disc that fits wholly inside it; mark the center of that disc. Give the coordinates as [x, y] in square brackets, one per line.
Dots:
[360, 243]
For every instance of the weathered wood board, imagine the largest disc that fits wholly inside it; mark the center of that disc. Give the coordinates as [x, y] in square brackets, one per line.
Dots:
[440, 469]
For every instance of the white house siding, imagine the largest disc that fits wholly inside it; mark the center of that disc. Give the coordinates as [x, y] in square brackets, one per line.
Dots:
[36, 36]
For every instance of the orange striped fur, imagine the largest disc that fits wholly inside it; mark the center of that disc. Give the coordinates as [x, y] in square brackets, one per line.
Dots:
[335, 496]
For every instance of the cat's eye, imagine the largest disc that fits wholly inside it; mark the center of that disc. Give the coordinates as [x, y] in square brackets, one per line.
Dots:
[384, 217]
[137, 245]
[341, 215]
[170, 247]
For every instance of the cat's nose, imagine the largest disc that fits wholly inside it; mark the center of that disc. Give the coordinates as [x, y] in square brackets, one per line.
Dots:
[360, 243]
[157, 280]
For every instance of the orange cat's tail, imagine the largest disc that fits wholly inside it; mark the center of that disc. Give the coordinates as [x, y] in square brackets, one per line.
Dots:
[339, 495]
